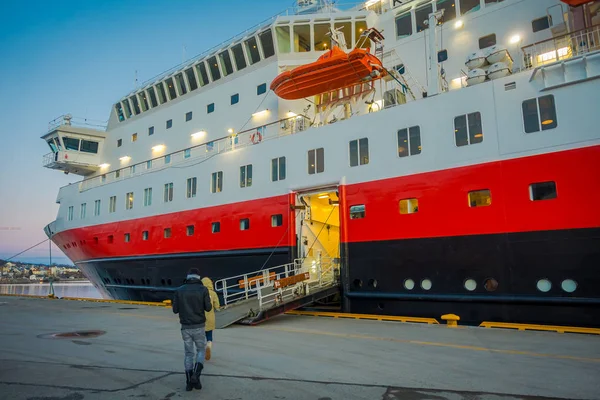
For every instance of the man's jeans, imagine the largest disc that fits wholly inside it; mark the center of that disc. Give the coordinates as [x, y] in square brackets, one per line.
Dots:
[191, 337]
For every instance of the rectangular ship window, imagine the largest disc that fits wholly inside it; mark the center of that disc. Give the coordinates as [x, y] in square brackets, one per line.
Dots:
[167, 233]
[169, 124]
[409, 206]
[127, 238]
[112, 204]
[216, 227]
[213, 67]
[316, 161]
[70, 213]
[191, 79]
[226, 63]
[147, 197]
[145, 235]
[191, 188]
[134, 137]
[129, 201]
[480, 198]
[160, 90]
[252, 50]
[216, 184]
[403, 25]
[168, 193]
[82, 211]
[246, 175]
[238, 56]
[151, 131]
[278, 169]
[171, 89]
[266, 41]
[539, 114]
[235, 98]
[542, 191]
[276, 220]
[110, 238]
[210, 108]
[357, 211]
[96, 208]
[540, 24]
[487, 41]
[260, 89]
[189, 230]
[179, 81]
[244, 224]
[409, 141]
[188, 116]
[359, 152]
[468, 129]
[422, 15]
[202, 74]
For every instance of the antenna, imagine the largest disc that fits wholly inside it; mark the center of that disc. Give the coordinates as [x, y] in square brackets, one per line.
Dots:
[135, 82]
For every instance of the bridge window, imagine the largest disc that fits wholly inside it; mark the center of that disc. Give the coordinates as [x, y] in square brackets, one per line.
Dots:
[128, 112]
[97, 208]
[246, 175]
[409, 141]
[359, 28]
[449, 9]
[147, 197]
[136, 105]
[261, 89]
[252, 50]
[316, 161]
[52, 146]
[210, 108]
[321, 40]
[71, 143]
[408, 206]
[480, 198]
[266, 40]
[487, 41]
[226, 62]
[216, 227]
[129, 201]
[189, 230]
[276, 220]
[168, 192]
[152, 95]
[189, 73]
[542, 191]
[191, 187]
[213, 66]
[359, 152]
[467, 6]
[70, 213]
[57, 143]
[278, 169]
[468, 129]
[540, 24]
[119, 110]
[216, 185]
[422, 15]
[283, 39]
[171, 89]
[539, 114]
[112, 204]
[357, 212]
[346, 29]
[238, 56]
[143, 101]
[180, 84]
[162, 95]
[403, 25]
[202, 74]
[87, 146]
[301, 38]
[244, 224]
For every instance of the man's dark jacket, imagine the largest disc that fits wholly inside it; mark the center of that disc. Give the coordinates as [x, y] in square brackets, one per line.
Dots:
[191, 301]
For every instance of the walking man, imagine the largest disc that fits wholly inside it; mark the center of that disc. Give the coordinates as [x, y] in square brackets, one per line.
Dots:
[191, 301]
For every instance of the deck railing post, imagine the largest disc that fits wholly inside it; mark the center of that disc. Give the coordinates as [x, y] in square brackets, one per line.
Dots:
[246, 286]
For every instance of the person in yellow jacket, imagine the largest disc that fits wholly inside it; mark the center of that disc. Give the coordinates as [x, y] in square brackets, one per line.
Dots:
[210, 315]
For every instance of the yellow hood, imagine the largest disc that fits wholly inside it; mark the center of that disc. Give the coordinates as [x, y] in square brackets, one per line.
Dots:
[206, 281]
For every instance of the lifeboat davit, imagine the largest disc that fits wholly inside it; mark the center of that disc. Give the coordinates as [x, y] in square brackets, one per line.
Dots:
[335, 69]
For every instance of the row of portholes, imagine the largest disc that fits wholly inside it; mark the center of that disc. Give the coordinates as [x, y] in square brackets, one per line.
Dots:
[130, 281]
[568, 285]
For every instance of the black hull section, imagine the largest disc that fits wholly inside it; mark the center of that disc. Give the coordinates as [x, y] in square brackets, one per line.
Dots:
[154, 278]
[375, 275]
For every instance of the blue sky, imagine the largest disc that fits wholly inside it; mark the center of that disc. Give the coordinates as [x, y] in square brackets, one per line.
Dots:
[79, 57]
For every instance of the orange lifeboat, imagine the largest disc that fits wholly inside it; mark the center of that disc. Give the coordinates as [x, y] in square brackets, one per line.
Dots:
[335, 69]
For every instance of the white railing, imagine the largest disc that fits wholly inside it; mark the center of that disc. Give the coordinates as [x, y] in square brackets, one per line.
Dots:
[69, 120]
[562, 47]
[49, 158]
[260, 284]
[193, 155]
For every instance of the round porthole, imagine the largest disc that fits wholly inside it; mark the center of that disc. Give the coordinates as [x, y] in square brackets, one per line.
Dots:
[380, 306]
[470, 285]
[490, 284]
[544, 285]
[569, 285]
[425, 284]
[357, 283]
[409, 284]
[373, 283]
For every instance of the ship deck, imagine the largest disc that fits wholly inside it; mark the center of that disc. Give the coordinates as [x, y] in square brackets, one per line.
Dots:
[140, 355]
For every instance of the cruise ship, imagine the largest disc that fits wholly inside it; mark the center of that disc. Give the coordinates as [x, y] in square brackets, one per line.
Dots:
[443, 153]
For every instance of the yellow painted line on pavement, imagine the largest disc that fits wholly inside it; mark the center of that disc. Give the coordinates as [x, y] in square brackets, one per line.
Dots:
[435, 344]
[535, 327]
[365, 316]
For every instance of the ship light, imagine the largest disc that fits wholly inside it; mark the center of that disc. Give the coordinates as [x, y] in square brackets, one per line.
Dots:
[458, 24]
[551, 55]
[105, 165]
[291, 114]
[515, 39]
[230, 130]
[198, 135]
[124, 158]
[547, 121]
[261, 113]
[158, 147]
[478, 135]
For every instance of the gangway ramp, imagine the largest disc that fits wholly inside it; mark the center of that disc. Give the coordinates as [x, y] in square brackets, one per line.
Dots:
[256, 296]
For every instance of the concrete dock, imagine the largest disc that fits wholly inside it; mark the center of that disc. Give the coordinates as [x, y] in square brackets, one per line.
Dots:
[140, 355]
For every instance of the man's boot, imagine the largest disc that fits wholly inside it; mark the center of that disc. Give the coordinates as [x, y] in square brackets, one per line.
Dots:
[196, 376]
[188, 380]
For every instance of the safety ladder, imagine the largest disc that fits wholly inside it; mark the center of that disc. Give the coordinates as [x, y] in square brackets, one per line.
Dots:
[394, 65]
